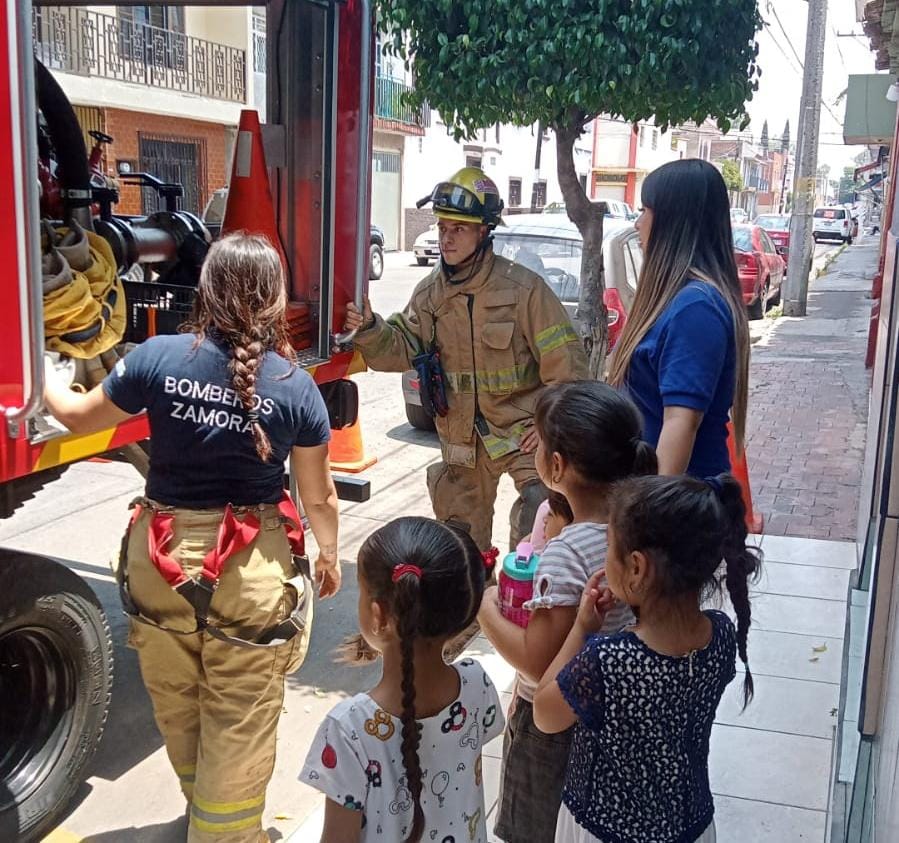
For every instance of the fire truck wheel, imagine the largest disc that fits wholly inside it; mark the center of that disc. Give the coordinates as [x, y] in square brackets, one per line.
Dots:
[418, 418]
[55, 684]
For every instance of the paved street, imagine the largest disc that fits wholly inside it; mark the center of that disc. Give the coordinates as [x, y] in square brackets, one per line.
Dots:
[132, 794]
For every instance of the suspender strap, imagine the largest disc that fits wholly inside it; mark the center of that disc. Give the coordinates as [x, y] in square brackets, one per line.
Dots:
[234, 535]
[158, 537]
[293, 524]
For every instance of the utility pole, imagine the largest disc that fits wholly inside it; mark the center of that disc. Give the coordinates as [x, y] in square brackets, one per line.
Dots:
[795, 296]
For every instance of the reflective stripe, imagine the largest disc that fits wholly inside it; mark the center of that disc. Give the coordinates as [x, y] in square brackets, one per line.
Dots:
[497, 446]
[555, 337]
[223, 826]
[228, 807]
[187, 773]
[497, 380]
[221, 817]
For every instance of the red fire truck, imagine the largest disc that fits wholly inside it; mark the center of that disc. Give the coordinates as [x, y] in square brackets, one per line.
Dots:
[55, 648]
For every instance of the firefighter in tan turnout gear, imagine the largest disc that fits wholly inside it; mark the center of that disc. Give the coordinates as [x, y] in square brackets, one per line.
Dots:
[486, 335]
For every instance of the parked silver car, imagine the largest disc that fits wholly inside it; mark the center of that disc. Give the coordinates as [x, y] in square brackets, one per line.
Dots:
[551, 246]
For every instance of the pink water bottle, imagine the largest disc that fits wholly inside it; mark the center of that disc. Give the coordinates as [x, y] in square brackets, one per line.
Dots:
[516, 583]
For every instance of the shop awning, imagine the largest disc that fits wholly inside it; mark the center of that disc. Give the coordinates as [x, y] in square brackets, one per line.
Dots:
[870, 116]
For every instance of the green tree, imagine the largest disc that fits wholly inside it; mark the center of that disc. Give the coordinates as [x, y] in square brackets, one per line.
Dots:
[785, 140]
[565, 62]
[733, 178]
[846, 189]
[763, 141]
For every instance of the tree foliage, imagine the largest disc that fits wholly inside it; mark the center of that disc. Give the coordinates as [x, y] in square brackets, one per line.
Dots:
[733, 178]
[564, 62]
[763, 141]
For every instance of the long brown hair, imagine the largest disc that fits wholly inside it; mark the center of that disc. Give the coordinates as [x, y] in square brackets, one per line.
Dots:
[242, 300]
[690, 238]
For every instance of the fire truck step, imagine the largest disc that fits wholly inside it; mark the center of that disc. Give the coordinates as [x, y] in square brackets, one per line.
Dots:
[355, 489]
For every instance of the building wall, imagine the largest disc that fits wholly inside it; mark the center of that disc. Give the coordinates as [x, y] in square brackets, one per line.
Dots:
[623, 159]
[215, 142]
[436, 156]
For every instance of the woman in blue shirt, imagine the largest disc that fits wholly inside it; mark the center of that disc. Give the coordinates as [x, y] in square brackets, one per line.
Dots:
[684, 354]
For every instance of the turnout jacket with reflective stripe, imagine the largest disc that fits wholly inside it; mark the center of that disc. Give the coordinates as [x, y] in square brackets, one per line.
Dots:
[502, 335]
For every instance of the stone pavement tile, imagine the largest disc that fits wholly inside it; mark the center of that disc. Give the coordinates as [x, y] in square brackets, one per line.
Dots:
[748, 820]
[770, 767]
[792, 656]
[802, 581]
[797, 551]
[792, 706]
[802, 615]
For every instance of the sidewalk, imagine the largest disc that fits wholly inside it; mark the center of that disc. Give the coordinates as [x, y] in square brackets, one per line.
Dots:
[770, 765]
[808, 405]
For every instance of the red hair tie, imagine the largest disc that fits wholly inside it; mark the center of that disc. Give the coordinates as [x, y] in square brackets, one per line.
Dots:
[490, 557]
[402, 570]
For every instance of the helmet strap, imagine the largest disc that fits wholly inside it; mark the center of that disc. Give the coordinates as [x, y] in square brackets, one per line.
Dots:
[474, 260]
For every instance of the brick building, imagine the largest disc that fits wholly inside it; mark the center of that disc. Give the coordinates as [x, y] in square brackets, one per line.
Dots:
[167, 83]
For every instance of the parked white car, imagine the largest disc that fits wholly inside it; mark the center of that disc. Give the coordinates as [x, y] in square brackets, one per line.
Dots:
[426, 247]
[833, 222]
[738, 216]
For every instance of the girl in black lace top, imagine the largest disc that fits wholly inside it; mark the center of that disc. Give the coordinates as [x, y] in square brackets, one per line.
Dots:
[644, 699]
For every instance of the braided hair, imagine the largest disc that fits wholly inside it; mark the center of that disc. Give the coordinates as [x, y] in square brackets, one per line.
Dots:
[242, 300]
[437, 597]
[687, 526]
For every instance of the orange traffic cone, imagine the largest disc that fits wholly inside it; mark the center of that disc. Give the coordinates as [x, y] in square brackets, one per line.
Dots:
[739, 467]
[249, 205]
[346, 451]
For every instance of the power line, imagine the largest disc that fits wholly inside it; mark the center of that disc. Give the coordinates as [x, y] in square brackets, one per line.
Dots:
[782, 50]
[833, 29]
[777, 18]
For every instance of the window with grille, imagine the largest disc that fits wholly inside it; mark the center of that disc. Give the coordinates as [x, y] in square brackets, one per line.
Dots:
[260, 55]
[514, 193]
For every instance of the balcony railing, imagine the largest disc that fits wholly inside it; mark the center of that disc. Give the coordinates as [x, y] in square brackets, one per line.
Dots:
[390, 104]
[87, 43]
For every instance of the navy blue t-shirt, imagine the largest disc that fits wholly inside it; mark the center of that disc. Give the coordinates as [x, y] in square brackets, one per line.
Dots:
[688, 359]
[203, 451]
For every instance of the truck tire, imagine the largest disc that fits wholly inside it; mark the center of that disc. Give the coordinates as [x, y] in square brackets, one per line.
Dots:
[418, 418]
[55, 685]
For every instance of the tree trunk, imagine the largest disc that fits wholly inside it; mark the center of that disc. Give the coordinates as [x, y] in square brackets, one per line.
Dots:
[591, 310]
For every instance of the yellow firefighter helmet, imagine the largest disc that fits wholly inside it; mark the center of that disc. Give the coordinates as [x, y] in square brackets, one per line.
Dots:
[468, 196]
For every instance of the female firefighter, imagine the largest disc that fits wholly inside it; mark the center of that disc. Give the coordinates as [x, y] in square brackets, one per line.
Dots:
[210, 570]
[486, 335]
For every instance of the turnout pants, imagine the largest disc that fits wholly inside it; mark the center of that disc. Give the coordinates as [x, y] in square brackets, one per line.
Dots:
[469, 494]
[216, 704]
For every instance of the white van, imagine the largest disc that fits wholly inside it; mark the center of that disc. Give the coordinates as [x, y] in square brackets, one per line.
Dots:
[832, 222]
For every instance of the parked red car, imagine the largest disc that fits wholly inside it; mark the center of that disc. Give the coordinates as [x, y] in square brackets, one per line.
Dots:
[778, 228]
[760, 268]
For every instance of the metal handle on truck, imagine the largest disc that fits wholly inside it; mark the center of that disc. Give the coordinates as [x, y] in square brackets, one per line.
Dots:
[29, 258]
[364, 166]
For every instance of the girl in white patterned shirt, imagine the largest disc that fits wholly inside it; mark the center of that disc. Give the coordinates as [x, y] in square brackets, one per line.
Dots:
[589, 438]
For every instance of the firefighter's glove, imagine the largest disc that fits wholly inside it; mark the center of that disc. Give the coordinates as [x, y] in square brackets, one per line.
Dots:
[432, 384]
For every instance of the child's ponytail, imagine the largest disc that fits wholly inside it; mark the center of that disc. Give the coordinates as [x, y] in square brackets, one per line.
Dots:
[645, 459]
[407, 606]
[743, 564]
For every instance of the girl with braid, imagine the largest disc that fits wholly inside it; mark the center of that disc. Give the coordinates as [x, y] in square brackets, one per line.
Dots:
[220, 608]
[643, 700]
[403, 763]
